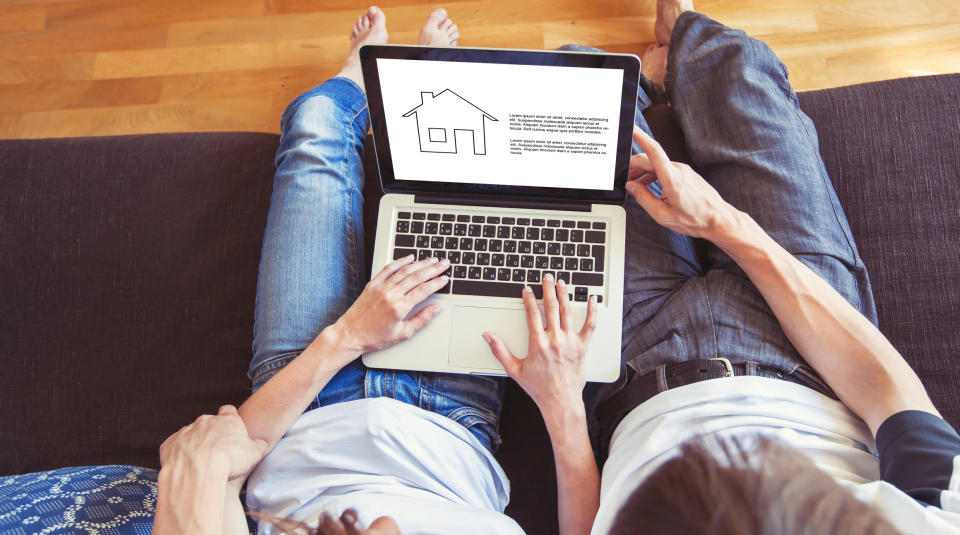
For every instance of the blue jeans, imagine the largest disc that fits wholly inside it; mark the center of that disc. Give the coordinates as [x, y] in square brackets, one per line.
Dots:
[685, 299]
[312, 264]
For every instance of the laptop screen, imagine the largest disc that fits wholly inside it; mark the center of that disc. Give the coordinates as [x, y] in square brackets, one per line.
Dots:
[509, 121]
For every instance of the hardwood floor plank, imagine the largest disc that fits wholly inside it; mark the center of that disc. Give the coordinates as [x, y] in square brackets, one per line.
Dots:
[599, 32]
[260, 82]
[119, 13]
[161, 61]
[244, 114]
[72, 40]
[78, 94]
[35, 69]
[23, 18]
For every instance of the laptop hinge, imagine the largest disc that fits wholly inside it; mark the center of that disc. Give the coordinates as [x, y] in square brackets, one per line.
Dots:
[503, 202]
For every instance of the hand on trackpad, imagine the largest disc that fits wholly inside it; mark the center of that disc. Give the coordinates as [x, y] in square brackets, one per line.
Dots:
[469, 350]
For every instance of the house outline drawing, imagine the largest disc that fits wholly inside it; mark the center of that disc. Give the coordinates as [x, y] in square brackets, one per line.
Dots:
[441, 116]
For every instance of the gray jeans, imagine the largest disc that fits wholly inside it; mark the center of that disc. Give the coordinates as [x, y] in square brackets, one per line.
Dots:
[745, 133]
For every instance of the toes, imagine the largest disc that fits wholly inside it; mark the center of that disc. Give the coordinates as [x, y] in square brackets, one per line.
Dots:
[435, 17]
[453, 37]
[452, 29]
[445, 25]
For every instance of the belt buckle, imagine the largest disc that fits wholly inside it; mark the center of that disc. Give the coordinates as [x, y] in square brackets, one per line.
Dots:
[726, 364]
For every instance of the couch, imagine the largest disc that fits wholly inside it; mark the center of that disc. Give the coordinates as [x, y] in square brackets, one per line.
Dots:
[128, 269]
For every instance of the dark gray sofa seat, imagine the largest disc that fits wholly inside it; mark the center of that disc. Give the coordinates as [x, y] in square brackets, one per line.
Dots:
[128, 270]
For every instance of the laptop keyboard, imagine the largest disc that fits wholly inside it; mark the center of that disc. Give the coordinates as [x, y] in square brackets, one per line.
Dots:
[495, 255]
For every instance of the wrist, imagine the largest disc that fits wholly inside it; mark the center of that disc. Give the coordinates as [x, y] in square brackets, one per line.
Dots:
[562, 415]
[727, 227]
[338, 342]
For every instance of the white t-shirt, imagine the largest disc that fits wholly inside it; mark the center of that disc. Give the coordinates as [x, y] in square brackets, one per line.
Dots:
[383, 457]
[919, 452]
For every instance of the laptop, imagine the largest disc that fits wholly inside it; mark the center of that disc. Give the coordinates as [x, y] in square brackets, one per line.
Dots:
[511, 164]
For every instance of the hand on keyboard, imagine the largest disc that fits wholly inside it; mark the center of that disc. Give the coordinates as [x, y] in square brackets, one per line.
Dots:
[377, 319]
[552, 373]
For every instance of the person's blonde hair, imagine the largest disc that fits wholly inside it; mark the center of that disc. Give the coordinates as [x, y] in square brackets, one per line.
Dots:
[722, 487]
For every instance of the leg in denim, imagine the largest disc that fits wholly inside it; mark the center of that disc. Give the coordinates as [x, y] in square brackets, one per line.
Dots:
[312, 258]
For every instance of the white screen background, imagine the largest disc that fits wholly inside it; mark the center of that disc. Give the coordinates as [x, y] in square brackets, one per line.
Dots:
[502, 90]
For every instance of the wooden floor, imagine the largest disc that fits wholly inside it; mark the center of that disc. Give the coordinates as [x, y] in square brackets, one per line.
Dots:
[99, 67]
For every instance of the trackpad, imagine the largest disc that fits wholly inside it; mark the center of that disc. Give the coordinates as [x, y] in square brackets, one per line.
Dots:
[468, 348]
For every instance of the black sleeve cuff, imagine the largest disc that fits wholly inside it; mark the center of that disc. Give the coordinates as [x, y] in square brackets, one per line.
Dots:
[917, 451]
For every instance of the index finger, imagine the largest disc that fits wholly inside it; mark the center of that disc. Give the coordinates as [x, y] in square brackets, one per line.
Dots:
[392, 268]
[653, 150]
[534, 323]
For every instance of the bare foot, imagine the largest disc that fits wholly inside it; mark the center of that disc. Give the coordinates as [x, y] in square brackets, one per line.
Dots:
[370, 29]
[668, 11]
[654, 64]
[438, 30]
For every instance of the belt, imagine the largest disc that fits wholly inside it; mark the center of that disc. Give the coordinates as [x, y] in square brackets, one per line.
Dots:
[640, 388]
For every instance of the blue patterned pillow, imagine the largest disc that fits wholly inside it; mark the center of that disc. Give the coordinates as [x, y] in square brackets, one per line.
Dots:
[86, 499]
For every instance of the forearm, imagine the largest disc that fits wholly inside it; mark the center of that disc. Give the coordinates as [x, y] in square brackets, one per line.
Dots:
[578, 480]
[190, 498]
[272, 409]
[849, 352]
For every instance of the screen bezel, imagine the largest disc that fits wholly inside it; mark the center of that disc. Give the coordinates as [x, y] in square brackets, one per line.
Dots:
[630, 65]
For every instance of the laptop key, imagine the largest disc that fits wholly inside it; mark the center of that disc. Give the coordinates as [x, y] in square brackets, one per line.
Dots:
[416, 227]
[586, 264]
[497, 259]
[595, 236]
[599, 225]
[542, 262]
[570, 264]
[562, 234]
[503, 274]
[539, 247]
[580, 294]
[423, 254]
[477, 219]
[524, 247]
[403, 215]
[569, 249]
[404, 240]
[493, 289]
[473, 231]
[568, 223]
[489, 274]
[489, 231]
[432, 227]
[423, 241]
[539, 222]
[448, 217]
[564, 276]
[403, 226]
[553, 248]
[546, 234]
[463, 218]
[533, 233]
[523, 220]
[508, 221]
[519, 275]
[479, 244]
[436, 242]
[419, 215]
[493, 219]
[503, 232]
[553, 223]
[583, 250]
[453, 257]
[433, 217]
[460, 229]
[556, 262]
[450, 243]
[583, 224]
[460, 272]
[516, 234]
[576, 235]
[468, 258]
[446, 229]
[513, 260]
[400, 253]
[588, 279]
[474, 272]
[526, 261]
[533, 275]
[440, 255]
[483, 259]
[496, 246]
[598, 258]
[510, 246]
[466, 244]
